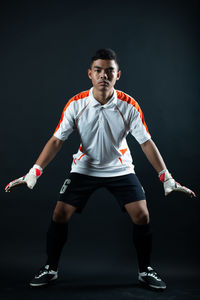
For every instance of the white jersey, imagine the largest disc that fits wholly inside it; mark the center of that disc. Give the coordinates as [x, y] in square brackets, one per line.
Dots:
[103, 129]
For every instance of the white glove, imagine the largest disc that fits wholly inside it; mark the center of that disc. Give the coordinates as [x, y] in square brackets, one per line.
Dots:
[29, 179]
[171, 185]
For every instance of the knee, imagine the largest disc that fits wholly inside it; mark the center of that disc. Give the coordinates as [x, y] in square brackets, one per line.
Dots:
[61, 216]
[141, 218]
[138, 212]
[63, 212]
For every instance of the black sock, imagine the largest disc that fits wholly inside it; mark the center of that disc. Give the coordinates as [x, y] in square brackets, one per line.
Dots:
[142, 238]
[56, 238]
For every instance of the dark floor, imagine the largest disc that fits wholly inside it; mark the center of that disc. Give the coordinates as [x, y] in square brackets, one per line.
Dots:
[91, 285]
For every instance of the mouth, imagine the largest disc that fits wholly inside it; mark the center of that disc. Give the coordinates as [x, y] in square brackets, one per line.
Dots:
[103, 83]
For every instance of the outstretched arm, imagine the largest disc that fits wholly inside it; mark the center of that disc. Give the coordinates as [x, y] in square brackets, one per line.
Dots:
[153, 155]
[48, 153]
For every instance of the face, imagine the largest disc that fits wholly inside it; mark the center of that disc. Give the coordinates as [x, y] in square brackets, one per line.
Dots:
[104, 73]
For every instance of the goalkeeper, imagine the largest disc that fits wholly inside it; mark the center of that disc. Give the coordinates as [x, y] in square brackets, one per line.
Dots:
[103, 118]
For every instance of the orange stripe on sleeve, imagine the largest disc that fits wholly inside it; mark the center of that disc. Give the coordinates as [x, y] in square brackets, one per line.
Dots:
[75, 98]
[124, 97]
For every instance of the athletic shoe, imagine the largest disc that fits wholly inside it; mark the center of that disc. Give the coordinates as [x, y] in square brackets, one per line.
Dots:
[151, 279]
[44, 276]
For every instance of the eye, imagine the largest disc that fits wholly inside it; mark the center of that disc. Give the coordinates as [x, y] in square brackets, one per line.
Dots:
[110, 71]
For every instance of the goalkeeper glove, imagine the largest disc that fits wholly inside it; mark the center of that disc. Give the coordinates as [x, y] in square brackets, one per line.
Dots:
[171, 185]
[29, 179]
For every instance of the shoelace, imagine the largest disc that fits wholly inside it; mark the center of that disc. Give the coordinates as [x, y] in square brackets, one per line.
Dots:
[41, 273]
[153, 274]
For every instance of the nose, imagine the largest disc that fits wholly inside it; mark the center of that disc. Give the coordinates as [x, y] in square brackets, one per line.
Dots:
[103, 75]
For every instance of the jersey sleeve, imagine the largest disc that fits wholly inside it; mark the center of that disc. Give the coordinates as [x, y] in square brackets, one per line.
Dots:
[138, 127]
[66, 123]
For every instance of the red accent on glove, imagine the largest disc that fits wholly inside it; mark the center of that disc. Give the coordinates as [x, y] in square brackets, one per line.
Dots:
[6, 186]
[162, 177]
[38, 172]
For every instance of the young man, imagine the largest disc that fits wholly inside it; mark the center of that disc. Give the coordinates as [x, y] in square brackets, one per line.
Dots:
[103, 118]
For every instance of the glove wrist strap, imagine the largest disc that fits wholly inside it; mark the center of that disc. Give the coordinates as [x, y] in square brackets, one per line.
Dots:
[164, 175]
[37, 170]
[38, 167]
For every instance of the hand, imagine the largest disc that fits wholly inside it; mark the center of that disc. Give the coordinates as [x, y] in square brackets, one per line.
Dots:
[171, 185]
[29, 179]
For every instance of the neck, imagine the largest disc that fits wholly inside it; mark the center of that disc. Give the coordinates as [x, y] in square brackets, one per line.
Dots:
[103, 96]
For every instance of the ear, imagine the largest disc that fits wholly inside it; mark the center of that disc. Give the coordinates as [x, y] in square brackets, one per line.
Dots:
[89, 73]
[119, 73]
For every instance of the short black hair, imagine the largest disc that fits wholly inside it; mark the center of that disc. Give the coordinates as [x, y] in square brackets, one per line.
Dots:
[105, 53]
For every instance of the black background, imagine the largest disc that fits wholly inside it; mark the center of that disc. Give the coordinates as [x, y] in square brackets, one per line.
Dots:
[45, 52]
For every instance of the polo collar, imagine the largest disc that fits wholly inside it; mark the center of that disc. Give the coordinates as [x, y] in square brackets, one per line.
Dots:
[110, 103]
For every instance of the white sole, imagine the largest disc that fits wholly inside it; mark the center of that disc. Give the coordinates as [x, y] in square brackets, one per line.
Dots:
[151, 285]
[42, 284]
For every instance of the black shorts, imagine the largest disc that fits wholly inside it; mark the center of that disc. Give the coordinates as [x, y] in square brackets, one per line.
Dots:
[77, 188]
